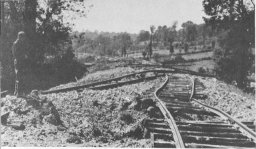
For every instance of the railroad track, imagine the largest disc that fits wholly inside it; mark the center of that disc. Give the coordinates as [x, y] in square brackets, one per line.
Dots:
[115, 82]
[132, 78]
[188, 123]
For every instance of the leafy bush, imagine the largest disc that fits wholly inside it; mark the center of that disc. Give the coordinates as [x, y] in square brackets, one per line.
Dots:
[126, 117]
[144, 53]
[179, 58]
[201, 70]
[156, 57]
[86, 59]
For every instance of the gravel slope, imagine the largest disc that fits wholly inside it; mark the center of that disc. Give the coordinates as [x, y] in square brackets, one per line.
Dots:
[229, 99]
[89, 124]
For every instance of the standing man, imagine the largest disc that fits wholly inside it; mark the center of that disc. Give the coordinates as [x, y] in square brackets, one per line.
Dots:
[150, 49]
[171, 48]
[20, 55]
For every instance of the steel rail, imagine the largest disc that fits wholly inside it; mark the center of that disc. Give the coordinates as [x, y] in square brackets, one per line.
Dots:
[103, 82]
[222, 113]
[124, 83]
[171, 70]
[192, 89]
[231, 119]
[172, 124]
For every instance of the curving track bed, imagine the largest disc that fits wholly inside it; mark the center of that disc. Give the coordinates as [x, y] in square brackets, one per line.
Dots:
[126, 79]
[185, 121]
[192, 124]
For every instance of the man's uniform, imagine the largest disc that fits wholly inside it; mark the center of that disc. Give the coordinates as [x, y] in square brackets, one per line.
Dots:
[19, 51]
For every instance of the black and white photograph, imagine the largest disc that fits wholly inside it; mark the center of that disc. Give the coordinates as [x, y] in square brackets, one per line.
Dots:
[127, 73]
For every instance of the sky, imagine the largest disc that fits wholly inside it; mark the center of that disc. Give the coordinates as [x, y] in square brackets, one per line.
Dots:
[135, 15]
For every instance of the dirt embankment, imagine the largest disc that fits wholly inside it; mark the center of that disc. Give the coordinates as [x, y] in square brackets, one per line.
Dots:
[90, 118]
[229, 99]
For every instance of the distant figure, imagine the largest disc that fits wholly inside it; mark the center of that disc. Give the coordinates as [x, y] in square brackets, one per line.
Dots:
[124, 53]
[171, 49]
[20, 55]
[186, 47]
[149, 50]
[144, 53]
[213, 44]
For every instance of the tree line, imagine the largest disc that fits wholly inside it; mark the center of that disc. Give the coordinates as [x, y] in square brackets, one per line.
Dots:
[47, 36]
[52, 44]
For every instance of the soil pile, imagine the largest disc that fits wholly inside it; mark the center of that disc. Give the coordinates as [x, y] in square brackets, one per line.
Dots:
[229, 99]
[89, 118]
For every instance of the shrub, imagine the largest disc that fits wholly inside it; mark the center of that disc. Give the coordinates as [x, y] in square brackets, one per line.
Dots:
[179, 58]
[201, 70]
[156, 57]
[126, 117]
[144, 53]
[74, 139]
[135, 131]
[86, 59]
[96, 131]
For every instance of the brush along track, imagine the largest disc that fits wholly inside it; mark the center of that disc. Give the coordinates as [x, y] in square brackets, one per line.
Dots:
[106, 84]
[193, 124]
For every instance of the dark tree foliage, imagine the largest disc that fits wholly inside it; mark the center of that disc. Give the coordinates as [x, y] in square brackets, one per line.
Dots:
[189, 31]
[125, 42]
[47, 36]
[235, 20]
[143, 36]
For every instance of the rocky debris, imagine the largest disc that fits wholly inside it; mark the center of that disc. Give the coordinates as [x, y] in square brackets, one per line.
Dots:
[229, 99]
[151, 111]
[17, 126]
[136, 130]
[4, 118]
[49, 113]
[126, 117]
[99, 76]
[93, 123]
[147, 102]
[74, 139]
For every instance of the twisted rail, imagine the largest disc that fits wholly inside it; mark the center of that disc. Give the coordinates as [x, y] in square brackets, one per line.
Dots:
[172, 124]
[223, 114]
[91, 85]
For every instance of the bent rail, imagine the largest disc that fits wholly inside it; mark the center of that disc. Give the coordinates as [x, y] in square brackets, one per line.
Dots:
[126, 82]
[222, 113]
[176, 134]
[231, 119]
[171, 70]
[101, 82]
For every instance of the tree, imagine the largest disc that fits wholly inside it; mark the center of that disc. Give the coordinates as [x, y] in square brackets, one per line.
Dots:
[46, 31]
[235, 20]
[150, 50]
[143, 36]
[189, 30]
[172, 33]
[125, 42]
[103, 45]
[204, 31]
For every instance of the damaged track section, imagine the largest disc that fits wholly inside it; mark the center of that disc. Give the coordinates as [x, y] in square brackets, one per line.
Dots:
[176, 140]
[118, 80]
[93, 118]
[198, 126]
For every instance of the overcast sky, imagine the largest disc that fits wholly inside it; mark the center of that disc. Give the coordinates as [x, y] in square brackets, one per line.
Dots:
[135, 15]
